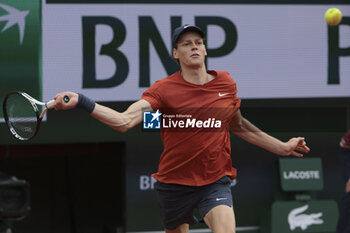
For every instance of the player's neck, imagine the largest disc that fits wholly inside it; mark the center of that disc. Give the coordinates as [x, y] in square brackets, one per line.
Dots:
[196, 76]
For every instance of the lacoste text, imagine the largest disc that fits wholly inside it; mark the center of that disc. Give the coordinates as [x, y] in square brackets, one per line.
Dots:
[301, 175]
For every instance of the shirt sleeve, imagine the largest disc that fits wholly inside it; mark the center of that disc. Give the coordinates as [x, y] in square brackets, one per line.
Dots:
[236, 100]
[153, 96]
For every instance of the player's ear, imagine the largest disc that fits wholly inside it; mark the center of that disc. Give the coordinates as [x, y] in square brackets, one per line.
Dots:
[175, 53]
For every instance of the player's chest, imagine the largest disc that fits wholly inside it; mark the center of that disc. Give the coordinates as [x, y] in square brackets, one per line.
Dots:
[221, 96]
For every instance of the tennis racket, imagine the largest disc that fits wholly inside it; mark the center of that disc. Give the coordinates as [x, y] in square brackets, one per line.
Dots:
[22, 114]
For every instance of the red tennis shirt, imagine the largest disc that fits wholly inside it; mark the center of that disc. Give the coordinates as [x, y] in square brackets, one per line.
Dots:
[195, 128]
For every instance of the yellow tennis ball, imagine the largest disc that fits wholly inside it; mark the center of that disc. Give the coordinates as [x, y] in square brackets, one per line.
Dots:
[333, 16]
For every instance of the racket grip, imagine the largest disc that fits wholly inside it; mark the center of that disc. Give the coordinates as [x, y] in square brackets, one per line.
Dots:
[50, 104]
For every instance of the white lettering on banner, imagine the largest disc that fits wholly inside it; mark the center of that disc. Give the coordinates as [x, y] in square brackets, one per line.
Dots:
[301, 175]
[296, 218]
[287, 58]
[191, 123]
[147, 182]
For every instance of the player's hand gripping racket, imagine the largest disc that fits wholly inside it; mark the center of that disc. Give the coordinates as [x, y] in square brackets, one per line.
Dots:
[22, 114]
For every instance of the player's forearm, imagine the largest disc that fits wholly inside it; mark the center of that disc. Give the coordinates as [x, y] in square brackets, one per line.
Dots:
[254, 135]
[116, 120]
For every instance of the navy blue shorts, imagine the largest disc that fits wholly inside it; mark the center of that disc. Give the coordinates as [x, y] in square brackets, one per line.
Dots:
[177, 202]
[345, 156]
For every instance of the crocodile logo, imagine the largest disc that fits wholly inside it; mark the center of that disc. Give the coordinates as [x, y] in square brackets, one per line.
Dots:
[296, 218]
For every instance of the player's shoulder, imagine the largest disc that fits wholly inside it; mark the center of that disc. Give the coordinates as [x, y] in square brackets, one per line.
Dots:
[171, 77]
[167, 80]
[222, 72]
[224, 75]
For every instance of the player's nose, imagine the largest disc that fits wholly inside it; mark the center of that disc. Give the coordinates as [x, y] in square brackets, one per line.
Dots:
[194, 46]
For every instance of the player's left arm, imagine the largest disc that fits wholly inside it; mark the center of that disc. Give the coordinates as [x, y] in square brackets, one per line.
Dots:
[246, 130]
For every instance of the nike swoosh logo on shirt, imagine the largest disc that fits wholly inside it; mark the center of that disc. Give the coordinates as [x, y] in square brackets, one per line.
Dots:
[220, 199]
[223, 94]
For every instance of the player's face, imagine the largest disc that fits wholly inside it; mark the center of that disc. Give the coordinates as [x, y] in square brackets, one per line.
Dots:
[190, 50]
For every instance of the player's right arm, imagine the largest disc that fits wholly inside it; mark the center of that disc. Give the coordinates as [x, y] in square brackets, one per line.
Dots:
[120, 121]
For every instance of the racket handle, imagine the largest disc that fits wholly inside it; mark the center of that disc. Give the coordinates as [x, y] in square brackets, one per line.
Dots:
[50, 104]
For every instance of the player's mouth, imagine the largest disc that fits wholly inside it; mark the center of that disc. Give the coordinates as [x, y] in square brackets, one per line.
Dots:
[195, 55]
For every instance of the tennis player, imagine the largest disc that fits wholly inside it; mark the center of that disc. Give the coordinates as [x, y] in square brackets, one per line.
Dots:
[195, 168]
[343, 225]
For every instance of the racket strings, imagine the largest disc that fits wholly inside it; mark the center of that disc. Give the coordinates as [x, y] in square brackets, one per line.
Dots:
[22, 116]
